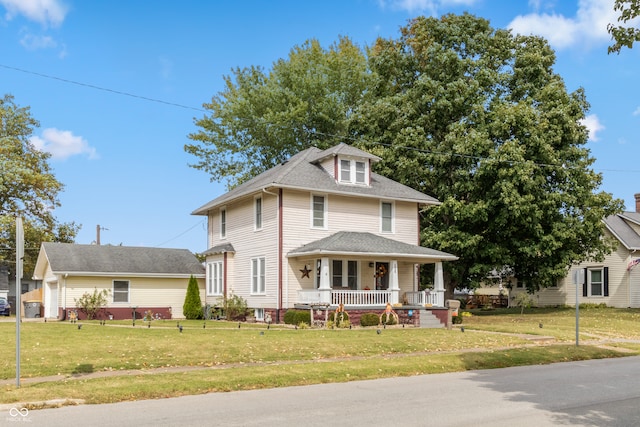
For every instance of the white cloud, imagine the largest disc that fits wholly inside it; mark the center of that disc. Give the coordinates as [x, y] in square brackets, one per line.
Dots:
[588, 26]
[62, 144]
[593, 125]
[33, 42]
[637, 112]
[46, 12]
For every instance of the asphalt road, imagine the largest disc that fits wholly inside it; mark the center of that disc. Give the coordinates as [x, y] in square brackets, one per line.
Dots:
[599, 393]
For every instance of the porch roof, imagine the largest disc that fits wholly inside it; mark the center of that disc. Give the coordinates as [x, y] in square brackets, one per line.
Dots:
[368, 244]
[219, 249]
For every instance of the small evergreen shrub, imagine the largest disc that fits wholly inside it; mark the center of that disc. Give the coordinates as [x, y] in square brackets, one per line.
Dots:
[369, 319]
[192, 307]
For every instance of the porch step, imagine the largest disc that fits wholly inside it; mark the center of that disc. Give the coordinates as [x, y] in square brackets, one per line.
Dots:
[428, 320]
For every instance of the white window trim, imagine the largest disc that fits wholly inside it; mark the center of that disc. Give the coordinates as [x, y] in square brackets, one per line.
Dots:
[256, 277]
[256, 226]
[215, 278]
[258, 313]
[113, 291]
[589, 282]
[325, 220]
[393, 217]
[345, 273]
[352, 171]
[223, 224]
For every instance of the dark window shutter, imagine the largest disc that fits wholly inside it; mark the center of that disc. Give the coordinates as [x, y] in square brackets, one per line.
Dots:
[584, 284]
[606, 281]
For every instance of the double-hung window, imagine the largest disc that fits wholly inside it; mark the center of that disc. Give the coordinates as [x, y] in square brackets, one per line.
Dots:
[319, 211]
[120, 291]
[258, 275]
[258, 213]
[344, 274]
[386, 217]
[223, 223]
[215, 279]
[596, 282]
[353, 171]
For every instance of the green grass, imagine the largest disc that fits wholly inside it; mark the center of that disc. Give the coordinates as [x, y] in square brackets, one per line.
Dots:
[160, 361]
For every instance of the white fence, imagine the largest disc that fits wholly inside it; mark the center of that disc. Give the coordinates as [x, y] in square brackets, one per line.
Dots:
[370, 298]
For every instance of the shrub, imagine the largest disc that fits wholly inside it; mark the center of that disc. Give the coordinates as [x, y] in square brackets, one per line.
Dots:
[192, 307]
[235, 307]
[456, 319]
[388, 319]
[92, 303]
[345, 317]
[369, 319]
[295, 317]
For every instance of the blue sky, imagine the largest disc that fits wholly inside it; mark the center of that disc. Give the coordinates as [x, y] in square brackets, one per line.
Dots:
[92, 73]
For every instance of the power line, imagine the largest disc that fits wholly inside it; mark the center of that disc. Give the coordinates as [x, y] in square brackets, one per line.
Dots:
[118, 92]
[181, 234]
[310, 131]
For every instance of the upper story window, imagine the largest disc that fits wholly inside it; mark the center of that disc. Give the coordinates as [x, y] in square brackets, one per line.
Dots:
[318, 211]
[258, 213]
[353, 171]
[386, 217]
[223, 223]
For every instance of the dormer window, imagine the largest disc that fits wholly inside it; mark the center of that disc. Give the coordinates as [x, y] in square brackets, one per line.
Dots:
[353, 171]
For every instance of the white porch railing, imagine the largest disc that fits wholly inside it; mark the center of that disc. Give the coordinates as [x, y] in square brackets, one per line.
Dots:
[348, 298]
[370, 298]
[435, 298]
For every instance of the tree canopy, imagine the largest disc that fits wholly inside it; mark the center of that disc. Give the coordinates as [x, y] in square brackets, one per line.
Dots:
[456, 109]
[622, 34]
[28, 187]
[262, 118]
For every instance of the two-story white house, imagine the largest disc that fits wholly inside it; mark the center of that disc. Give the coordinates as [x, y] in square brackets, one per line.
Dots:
[320, 228]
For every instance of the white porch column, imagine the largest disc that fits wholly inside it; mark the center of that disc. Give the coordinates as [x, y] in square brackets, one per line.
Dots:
[324, 287]
[438, 284]
[394, 286]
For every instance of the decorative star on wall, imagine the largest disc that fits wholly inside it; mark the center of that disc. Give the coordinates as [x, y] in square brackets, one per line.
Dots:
[305, 272]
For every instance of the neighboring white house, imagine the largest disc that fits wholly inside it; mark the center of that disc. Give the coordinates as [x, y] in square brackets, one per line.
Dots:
[138, 279]
[320, 229]
[614, 282]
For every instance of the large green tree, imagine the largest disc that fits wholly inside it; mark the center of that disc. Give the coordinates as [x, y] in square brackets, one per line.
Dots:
[477, 117]
[456, 109]
[623, 34]
[28, 188]
[262, 118]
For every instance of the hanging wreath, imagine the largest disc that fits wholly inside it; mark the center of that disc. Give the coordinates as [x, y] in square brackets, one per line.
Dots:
[381, 270]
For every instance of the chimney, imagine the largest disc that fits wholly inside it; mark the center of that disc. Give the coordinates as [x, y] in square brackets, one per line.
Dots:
[637, 196]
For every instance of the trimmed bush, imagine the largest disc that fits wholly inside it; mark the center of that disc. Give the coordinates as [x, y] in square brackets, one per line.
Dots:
[296, 317]
[369, 319]
[388, 319]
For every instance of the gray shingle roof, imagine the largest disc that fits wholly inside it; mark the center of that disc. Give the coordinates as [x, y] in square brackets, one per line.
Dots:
[219, 249]
[618, 226]
[360, 243]
[96, 259]
[301, 171]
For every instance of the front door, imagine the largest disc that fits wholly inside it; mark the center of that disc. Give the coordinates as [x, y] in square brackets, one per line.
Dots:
[382, 276]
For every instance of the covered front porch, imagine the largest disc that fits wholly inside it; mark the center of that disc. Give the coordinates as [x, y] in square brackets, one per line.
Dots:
[366, 271]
